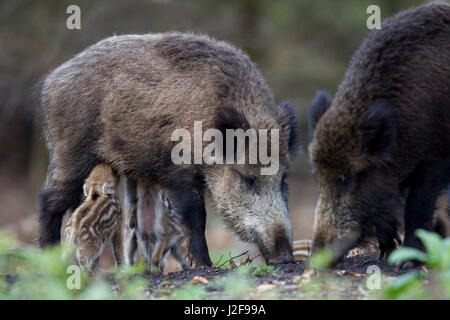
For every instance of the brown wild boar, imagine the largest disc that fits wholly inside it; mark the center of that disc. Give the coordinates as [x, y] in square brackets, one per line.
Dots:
[98, 220]
[120, 100]
[382, 146]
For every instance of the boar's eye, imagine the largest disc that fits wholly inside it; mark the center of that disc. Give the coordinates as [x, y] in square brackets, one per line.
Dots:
[343, 182]
[250, 181]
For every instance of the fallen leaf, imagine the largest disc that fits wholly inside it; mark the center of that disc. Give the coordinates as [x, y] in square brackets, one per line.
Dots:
[290, 287]
[307, 274]
[348, 273]
[199, 280]
[245, 260]
[265, 287]
[116, 290]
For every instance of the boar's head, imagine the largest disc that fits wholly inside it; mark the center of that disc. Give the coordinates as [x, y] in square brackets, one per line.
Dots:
[352, 153]
[254, 205]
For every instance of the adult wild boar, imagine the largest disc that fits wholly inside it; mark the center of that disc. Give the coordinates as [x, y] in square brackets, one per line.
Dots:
[382, 146]
[120, 100]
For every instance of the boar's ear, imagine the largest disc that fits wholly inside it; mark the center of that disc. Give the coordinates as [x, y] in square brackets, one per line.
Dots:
[229, 118]
[379, 132]
[318, 106]
[287, 118]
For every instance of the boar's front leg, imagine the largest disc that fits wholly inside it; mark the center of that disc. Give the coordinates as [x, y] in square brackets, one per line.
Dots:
[193, 212]
[427, 183]
[448, 199]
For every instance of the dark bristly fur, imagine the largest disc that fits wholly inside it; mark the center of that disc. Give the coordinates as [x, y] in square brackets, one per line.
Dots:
[119, 102]
[383, 146]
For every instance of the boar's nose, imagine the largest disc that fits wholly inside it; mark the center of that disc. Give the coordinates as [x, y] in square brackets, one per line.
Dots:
[283, 249]
[285, 257]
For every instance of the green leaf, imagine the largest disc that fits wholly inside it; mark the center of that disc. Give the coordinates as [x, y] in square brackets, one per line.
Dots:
[263, 270]
[407, 286]
[433, 245]
[321, 259]
[407, 254]
[189, 292]
[445, 256]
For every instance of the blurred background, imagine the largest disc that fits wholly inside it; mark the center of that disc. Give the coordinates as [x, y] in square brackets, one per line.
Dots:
[299, 46]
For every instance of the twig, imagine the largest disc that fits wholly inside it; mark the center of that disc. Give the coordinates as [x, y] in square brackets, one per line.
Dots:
[219, 260]
[232, 258]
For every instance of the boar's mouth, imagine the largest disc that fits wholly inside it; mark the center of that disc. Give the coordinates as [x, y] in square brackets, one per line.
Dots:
[281, 252]
[338, 248]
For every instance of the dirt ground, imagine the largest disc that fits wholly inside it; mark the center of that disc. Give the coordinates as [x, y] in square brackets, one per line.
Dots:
[285, 280]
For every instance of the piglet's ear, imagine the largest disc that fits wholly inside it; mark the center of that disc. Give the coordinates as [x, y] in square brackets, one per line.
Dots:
[109, 189]
[85, 190]
[379, 132]
[318, 106]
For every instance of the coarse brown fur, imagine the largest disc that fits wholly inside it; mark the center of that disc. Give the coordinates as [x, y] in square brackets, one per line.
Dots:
[119, 101]
[382, 149]
[97, 221]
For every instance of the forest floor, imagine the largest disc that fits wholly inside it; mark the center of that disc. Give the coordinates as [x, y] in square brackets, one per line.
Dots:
[351, 279]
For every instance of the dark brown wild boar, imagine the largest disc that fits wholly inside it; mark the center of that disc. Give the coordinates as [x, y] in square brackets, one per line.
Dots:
[382, 146]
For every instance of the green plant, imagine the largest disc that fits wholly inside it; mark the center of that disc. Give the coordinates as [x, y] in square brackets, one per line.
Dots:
[422, 284]
[320, 260]
[29, 273]
[437, 254]
[237, 284]
[262, 270]
[188, 292]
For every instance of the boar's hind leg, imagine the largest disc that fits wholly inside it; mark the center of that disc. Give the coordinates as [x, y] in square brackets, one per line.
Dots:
[426, 185]
[58, 196]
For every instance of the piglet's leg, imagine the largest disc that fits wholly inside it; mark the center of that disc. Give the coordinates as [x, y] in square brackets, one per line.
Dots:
[159, 251]
[130, 242]
[145, 214]
[117, 245]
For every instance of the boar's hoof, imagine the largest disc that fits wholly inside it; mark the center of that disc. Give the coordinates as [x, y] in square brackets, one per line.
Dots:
[407, 265]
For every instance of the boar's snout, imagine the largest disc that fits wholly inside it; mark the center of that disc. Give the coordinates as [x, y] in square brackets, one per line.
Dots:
[282, 250]
[282, 258]
[338, 247]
